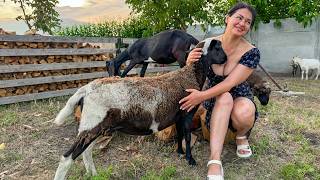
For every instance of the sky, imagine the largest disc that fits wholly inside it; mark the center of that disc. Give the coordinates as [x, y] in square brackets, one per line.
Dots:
[71, 12]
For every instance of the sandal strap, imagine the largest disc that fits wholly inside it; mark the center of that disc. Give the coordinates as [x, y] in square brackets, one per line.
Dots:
[244, 147]
[215, 177]
[214, 162]
[241, 137]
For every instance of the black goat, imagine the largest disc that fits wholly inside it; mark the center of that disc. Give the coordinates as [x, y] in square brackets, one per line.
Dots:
[165, 47]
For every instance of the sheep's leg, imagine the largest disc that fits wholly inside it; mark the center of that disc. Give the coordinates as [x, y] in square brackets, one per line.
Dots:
[318, 72]
[307, 71]
[187, 135]
[302, 74]
[84, 140]
[64, 165]
[88, 161]
[144, 69]
[179, 127]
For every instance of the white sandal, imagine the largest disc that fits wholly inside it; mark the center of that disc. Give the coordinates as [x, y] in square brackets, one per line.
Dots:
[215, 177]
[244, 147]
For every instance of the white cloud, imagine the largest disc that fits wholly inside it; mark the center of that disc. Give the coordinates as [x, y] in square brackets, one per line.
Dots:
[71, 3]
[90, 11]
[96, 10]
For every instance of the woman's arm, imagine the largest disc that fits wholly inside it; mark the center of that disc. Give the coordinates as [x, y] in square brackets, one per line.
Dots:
[238, 75]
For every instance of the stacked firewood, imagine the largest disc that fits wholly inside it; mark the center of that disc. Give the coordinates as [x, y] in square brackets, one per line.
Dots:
[21, 90]
[45, 45]
[52, 59]
[13, 91]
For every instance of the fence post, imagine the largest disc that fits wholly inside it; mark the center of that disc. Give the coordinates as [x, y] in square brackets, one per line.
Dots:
[118, 46]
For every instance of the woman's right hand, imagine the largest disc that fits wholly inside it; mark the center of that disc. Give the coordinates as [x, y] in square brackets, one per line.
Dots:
[194, 56]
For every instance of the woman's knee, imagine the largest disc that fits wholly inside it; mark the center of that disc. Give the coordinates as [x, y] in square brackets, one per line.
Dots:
[224, 99]
[243, 114]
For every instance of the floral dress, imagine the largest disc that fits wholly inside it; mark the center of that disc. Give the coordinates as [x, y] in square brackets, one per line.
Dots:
[250, 59]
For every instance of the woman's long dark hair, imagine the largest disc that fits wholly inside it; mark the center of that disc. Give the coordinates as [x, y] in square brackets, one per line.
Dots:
[242, 5]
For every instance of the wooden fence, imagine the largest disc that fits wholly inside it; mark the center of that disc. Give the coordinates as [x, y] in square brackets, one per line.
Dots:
[26, 52]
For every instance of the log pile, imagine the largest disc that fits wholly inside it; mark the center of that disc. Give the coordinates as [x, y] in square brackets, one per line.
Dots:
[44, 45]
[21, 90]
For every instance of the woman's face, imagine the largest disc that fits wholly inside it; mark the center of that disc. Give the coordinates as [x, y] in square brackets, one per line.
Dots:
[240, 22]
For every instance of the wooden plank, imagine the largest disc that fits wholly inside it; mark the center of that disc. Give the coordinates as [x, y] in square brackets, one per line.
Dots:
[34, 96]
[44, 52]
[49, 94]
[129, 40]
[74, 77]
[56, 39]
[50, 79]
[53, 66]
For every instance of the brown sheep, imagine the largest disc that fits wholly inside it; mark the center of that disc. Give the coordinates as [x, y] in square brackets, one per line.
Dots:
[137, 106]
[259, 88]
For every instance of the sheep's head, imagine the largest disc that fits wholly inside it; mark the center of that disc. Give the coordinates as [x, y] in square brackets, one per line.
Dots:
[212, 52]
[262, 92]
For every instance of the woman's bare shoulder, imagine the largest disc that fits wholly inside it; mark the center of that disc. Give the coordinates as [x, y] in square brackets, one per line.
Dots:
[247, 44]
[217, 37]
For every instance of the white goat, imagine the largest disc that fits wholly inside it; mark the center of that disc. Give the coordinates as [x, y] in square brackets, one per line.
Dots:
[306, 65]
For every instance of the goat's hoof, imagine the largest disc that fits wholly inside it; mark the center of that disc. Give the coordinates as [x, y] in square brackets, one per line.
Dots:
[192, 162]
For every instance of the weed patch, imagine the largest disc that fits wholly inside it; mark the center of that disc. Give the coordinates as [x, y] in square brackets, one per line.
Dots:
[299, 170]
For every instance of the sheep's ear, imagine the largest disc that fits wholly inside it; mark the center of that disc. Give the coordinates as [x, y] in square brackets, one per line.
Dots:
[206, 44]
[215, 43]
[200, 44]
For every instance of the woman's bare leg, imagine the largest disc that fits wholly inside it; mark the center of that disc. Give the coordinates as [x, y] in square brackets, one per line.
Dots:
[218, 129]
[243, 115]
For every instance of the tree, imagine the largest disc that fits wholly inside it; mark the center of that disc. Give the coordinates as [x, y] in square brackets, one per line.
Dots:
[163, 14]
[304, 11]
[42, 14]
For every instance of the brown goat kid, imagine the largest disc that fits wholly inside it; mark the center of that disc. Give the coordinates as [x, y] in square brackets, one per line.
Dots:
[137, 106]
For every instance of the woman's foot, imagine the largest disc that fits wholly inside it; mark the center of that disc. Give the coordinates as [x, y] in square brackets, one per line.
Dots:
[215, 170]
[243, 147]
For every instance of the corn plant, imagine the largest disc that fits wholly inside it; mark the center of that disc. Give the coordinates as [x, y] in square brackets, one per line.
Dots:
[129, 28]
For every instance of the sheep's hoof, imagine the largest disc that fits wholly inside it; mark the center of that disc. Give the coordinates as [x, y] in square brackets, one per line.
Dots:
[181, 156]
[191, 161]
[180, 151]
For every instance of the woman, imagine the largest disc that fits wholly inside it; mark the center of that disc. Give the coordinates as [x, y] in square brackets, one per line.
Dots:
[228, 99]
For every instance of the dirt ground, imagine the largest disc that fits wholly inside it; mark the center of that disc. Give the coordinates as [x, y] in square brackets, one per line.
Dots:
[285, 140]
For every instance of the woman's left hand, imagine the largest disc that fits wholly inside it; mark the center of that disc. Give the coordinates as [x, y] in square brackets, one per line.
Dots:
[192, 100]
